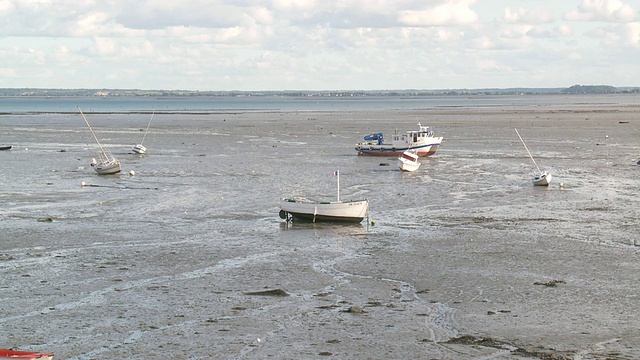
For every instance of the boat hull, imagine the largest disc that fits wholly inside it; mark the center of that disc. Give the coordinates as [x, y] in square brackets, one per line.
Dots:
[16, 354]
[543, 179]
[316, 211]
[408, 161]
[406, 165]
[391, 150]
[107, 168]
[6, 147]
[139, 149]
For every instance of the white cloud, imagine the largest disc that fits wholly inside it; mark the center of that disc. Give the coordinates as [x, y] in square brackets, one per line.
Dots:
[602, 10]
[104, 46]
[560, 31]
[448, 13]
[632, 35]
[241, 44]
[528, 16]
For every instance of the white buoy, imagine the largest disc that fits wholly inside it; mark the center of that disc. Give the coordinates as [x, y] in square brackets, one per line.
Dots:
[83, 184]
[561, 184]
[131, 173]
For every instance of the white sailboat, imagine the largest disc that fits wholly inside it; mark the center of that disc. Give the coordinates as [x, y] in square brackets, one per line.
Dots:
[540, 178]
[106, 163]
[139, 148]
[328, 211]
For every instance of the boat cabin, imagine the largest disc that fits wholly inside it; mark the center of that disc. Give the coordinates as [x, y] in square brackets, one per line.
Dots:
[413, 136]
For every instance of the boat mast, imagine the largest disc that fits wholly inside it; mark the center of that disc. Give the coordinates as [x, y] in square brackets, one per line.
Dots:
[92, 133]
[147, 130]
[528, 152]
[338, 175]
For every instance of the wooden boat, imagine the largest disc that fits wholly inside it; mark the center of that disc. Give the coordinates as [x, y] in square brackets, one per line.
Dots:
[422, 140]
[139, 148]
[106, 163]
[408, 161]
[303, 209]
[17, 354]
[540, 178]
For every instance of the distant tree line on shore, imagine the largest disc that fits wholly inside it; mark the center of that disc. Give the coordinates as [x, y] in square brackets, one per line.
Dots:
[575, 89]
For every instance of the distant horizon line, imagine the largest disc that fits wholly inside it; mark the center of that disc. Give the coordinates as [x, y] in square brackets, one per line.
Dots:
[317, 90]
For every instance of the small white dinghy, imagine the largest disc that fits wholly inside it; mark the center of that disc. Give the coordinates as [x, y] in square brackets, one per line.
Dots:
[303, 209]
[540, 178]
[408, 161]
[139, 148]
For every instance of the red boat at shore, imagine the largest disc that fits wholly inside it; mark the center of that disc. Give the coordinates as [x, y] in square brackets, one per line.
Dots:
[28, 355]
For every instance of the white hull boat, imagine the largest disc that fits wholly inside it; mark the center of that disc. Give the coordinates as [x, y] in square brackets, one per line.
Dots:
[316, 211]
[106, 163]
[139, 148]
[540, 178]
[302, 209]
[106, 166]
[408, 161]
[423, 141]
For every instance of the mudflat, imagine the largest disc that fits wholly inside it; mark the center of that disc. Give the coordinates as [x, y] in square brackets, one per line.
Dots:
[188, 259]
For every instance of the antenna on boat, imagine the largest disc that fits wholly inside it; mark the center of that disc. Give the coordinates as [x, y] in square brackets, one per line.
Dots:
[528, 152]
[92, 133]
[147, 130]
[337, 173]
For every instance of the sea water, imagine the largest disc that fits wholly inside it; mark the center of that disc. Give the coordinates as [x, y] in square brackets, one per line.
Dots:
[196, 218]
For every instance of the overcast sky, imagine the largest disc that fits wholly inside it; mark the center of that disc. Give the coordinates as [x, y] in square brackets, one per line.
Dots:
[318, 44]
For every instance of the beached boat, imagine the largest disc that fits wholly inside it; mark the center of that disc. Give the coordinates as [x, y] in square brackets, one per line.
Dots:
[139, 148]
[540, 178]
[24, 355]
[106, 163]
[6, 147]
[303, 209]
[409, 161]
[422, 140]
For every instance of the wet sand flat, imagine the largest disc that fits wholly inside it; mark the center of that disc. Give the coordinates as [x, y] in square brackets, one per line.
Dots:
[188, 259]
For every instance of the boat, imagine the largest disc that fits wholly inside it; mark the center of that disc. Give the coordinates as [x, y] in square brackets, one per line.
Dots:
[106, 163]
[139, 148]
[540, 178]
[303, 209]
[6, 147]
[408, 161]
[17, 354]
[422, 140]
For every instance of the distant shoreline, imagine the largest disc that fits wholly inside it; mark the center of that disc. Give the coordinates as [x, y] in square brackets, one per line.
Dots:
[575, 89]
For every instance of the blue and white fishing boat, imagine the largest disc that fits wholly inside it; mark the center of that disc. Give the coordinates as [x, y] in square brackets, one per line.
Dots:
[423, 141]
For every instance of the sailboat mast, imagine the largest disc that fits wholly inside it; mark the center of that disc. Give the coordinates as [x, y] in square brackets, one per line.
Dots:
[147, 130]
[92, 133]
[528, 152]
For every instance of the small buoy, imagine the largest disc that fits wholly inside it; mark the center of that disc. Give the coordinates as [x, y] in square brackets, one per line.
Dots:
[373, 222]
[83, 184]
[561, 184]
[131, 173]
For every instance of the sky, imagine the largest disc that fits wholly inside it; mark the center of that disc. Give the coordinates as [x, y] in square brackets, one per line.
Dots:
[259, 45]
